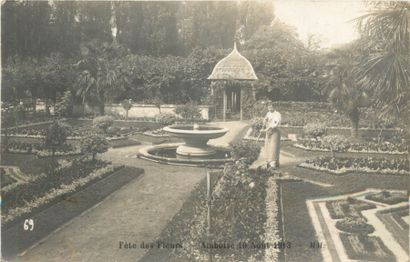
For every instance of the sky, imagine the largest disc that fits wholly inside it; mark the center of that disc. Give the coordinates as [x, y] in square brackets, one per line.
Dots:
[328, 20]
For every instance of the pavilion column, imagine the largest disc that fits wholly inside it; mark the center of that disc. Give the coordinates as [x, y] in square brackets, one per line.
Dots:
[224, 106]
[253, 91]
[240, 102]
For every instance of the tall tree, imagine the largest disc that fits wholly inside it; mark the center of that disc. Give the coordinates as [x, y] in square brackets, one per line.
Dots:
[385, 69]
[345, 92]
[25, 28]
[65, 28]
[101, 73]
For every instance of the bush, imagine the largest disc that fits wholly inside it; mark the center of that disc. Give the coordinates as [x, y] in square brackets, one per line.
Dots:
[356, 225]
[165, 119]
[94, 144]
[189, 111]
[103, 122]
[314, 130]
[64, 107]
[388, 197]
[336, 143]
[248, 150]
[366, 164]
[257, 123]
[56, 136]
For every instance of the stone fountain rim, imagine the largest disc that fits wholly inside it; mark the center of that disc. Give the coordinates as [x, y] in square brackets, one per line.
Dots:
[218, 130]
[145, 153]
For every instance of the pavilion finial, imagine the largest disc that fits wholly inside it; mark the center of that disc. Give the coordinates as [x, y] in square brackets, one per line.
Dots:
[234, 45]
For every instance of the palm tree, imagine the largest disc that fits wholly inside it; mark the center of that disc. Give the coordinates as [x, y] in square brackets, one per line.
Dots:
[345, 93]
[385, 69]
[101, 73]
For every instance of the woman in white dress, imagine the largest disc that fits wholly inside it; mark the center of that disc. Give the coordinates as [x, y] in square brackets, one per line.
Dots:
[272, 140]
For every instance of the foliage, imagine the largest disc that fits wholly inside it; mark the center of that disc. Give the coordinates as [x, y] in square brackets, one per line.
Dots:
[126, 104]
[26, 192]
[356, 225]
[101, 72]
[7, 120]
[56, 136]
[165, 119]
[315, 130]
[385, 147]
[65, 106]
[285, 68]
[345, 92]
[336, 143]
[232, 221]
[257, 123]
[94, 144]
[246, 150]
[384, 68]
[189, 111]
[387, 197]
[39, 149]
[394, 166]
[103, 122]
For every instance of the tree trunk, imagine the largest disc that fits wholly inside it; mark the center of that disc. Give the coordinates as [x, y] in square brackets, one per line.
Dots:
[6, 140]
[94, 156]
[354, 119]
[101, 109]
[47, 107]
[126, 115]
[53, 155]
[101, 105]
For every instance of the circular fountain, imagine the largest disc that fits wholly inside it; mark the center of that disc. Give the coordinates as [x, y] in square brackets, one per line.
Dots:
[195, 149]
[196, 138]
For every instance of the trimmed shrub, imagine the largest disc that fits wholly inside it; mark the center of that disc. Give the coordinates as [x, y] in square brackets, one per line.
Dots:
[246, 150]
[94, 144]
[165, 119]
[356, 225]
[336, 143]
[103, 122]
[189, 111]
[314, 130]
[56, 136]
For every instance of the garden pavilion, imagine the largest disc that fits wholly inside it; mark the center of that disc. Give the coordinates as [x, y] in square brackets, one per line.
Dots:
[231, 69]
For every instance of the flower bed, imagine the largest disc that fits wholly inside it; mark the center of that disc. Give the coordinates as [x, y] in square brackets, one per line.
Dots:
[272, 218]
[341, 166]
[301, 113]
[39, 150]
[355, 225]
[363, 247]
[365, 147]
[5, 178]
[238, 214]
[81, 128]
[349, 207]
[156, 133]
[387, 197]
[26, 197]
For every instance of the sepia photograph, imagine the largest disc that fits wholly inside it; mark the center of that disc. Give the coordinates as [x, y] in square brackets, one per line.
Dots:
[210, 131]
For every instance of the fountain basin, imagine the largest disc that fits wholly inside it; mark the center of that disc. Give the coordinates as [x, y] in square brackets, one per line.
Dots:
[166, 154]
[196, 138]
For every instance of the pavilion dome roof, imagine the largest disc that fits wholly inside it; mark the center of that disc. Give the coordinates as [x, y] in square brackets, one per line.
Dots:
[233, 66]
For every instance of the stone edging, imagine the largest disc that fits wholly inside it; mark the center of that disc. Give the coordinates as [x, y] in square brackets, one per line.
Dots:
[344, 171]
